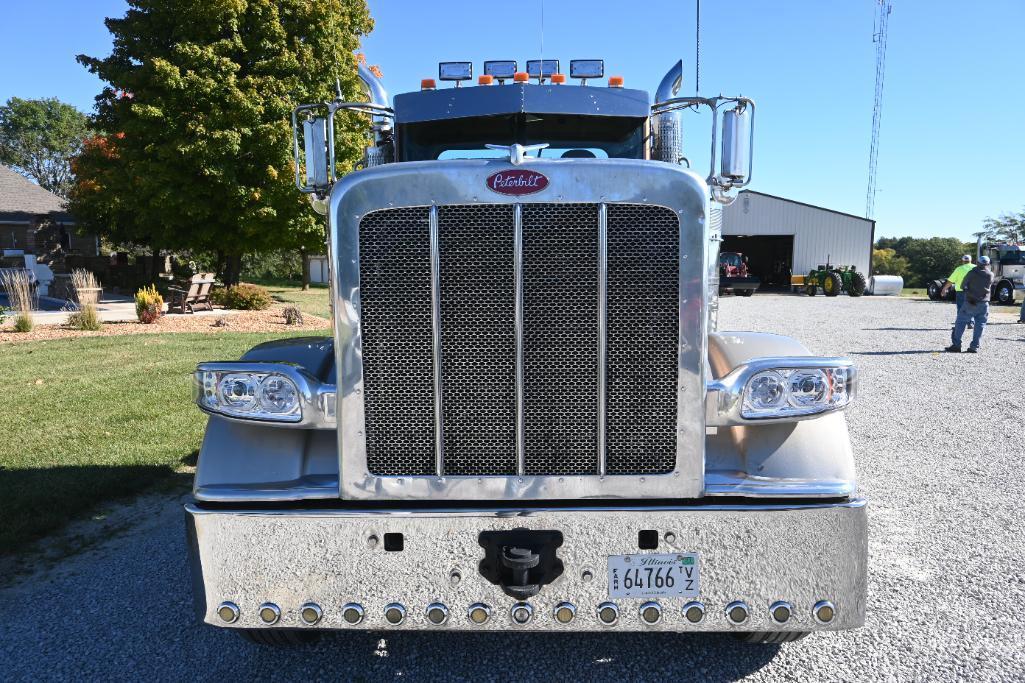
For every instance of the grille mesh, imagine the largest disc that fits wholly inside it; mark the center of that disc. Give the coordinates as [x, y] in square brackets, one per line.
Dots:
[398, 360]
[641, 339]
[560, 338]
[478, 335]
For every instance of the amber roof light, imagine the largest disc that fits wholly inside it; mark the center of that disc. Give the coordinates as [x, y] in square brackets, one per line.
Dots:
[615, 81]
[558, 79]
[486, 79]
[429, 84]
[521, 77]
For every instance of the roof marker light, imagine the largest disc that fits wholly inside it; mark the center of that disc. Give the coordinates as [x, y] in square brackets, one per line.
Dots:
[615, 81]
[428, 84]
[485, 79]
[521, 77]
[558, 79]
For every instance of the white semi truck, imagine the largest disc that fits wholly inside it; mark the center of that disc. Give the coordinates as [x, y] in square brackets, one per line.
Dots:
[525, 419]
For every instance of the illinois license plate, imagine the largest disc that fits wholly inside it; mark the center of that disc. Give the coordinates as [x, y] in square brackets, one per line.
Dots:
[653, 576]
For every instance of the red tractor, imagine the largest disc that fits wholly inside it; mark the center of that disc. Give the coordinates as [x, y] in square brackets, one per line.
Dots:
[734, 275]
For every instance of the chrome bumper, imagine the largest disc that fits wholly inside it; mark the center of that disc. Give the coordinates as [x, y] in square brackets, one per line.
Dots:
[757, 554]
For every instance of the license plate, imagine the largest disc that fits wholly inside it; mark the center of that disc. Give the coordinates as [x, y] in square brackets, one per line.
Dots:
[653, 576]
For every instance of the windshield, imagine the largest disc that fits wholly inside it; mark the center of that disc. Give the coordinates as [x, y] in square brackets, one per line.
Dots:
[582, 137]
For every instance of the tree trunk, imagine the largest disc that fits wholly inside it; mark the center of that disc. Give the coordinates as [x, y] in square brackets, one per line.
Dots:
[232, 269]
[156, 267]
[306, 269]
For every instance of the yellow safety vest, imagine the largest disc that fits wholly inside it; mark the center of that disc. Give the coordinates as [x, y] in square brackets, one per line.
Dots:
[957, 277]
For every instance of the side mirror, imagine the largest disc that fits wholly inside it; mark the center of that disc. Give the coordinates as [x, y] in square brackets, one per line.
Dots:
[736, 146]
[315, 146]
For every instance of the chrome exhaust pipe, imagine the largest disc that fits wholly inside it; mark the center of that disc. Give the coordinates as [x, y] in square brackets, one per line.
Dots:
[667, 127]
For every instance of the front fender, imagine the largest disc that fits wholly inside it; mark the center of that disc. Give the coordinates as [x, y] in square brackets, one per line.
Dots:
[811, 457]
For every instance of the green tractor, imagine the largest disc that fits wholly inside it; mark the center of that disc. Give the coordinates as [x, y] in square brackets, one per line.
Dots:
[835, 279]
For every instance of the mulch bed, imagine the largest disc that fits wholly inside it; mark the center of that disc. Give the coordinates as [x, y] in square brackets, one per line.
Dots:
[270, 320]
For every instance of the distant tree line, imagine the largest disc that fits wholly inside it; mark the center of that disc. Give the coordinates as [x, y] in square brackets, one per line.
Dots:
[919, 260]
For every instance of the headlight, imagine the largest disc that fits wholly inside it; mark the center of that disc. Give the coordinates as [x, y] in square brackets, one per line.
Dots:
[249, 395]
[781, 389]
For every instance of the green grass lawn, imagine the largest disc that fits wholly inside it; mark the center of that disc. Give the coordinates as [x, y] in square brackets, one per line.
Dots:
[86, 420]
[915, 292]
[313, 301]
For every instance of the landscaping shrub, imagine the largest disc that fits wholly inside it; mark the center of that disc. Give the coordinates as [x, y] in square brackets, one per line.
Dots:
[243, 297]
[149, 305]
[88, 295]
[19, 292]
[293, 316]
[87, 319]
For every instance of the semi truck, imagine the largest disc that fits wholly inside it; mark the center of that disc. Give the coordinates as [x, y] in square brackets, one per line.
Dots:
[525, 418]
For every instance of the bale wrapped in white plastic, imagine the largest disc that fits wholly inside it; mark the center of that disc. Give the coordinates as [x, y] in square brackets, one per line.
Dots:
[885, 285]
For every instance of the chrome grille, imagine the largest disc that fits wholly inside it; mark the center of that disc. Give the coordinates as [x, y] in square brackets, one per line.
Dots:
[641, 338]
[475, 245]
[395, 310]
[560, 338]
[572, 313]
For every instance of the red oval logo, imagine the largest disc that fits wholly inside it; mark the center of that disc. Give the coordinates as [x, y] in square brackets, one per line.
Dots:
[517, 181]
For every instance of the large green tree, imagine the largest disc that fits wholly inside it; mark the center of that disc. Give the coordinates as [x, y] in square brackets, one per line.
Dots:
[38, 138]
[1009, 227]
[197, 146]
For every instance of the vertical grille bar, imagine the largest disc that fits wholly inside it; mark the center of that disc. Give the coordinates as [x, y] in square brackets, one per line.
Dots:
[439, 420]
[603, 215]
[521, 462]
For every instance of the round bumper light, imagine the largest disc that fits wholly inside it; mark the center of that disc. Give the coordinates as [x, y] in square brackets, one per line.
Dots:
[437, 613]
[310, 613]
[608, 613]
[824, 612]
[564, 612]
[228, 612]
[781, 612]
[694, 612]
[651, 612]
[352, 613]
[269, 613]
[479, 613]
[395, 614]
[737, 612]
[521, 613]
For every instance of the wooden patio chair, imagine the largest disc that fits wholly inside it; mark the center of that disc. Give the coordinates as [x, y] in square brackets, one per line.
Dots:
[193, 292]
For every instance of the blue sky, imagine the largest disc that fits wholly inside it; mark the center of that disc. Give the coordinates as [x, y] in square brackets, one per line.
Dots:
[951, 151]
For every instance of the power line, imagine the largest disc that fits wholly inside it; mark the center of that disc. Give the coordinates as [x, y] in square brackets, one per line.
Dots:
[883, 9]
[697, 49]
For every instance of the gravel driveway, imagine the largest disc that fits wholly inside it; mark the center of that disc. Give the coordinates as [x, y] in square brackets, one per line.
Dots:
[939, 440]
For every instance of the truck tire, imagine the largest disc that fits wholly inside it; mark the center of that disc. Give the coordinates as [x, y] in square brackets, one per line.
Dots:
[832, 285]
[1005, 293]
[278, 637]
[770, 637]
[857, 284]
[933, 290]
[745, 292]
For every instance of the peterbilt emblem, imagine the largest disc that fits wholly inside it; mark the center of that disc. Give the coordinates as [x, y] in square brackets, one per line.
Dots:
[517, 181]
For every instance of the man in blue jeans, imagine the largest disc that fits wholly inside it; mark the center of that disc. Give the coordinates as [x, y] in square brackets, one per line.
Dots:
[976, 285]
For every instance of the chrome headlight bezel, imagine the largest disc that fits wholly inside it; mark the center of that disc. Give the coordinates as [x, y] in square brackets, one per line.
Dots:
[782, 389]
[242, 391]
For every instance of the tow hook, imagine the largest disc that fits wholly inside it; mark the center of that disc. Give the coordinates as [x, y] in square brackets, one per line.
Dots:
[520, 561]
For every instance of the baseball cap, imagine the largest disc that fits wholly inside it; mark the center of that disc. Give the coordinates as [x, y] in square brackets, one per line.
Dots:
[966, 258]
[983, 260]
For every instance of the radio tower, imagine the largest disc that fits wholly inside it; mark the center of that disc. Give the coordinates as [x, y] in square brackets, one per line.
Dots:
[883, 9]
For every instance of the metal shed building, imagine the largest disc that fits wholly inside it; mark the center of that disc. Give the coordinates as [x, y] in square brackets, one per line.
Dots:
[782, 236]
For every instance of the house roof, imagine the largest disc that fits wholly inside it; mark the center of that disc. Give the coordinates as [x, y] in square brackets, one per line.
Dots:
[22, 200]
